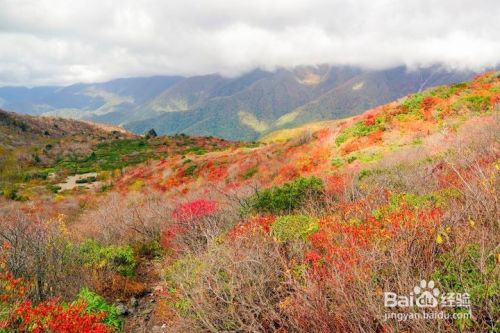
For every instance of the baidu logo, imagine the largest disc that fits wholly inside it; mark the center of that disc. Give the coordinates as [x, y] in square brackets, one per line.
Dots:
[426, 295]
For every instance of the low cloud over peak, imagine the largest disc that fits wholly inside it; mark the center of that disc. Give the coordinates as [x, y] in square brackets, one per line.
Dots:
[61, 42]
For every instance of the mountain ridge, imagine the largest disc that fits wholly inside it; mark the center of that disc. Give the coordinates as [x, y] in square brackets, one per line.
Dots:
[245, 107]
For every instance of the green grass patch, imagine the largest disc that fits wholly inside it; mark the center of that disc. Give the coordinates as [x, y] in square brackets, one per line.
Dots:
[352, 157]
[477, 103]
[250, 173]
[117, 154]
[53, 188]
[337, 161]
[195, 150]
[97, 304]
[433, 199]
[119, 258]
[404, 117]
[189, 171]
[86, 180]
[290, 227]
[360, 129]
[414, 102]
[342, 137]
[473, 103]
[137, 185]
[447, 91]
[417, 141]
[288, 197]
[370, 157]
[474, 271]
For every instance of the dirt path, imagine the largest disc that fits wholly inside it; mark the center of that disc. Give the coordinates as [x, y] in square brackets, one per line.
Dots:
[71, 182]
[149, 313]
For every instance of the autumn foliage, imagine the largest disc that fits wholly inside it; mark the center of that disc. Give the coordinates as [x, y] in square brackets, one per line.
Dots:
[297, 236]
[194, 209]
[21, 315]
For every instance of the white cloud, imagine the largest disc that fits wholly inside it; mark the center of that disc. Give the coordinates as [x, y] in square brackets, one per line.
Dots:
[61, 42]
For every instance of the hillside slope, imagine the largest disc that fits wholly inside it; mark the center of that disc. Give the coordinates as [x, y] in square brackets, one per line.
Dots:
[307, 232]
[17, 127]
[30, 146]
[39, 153]
[397, 190]
[359, 141]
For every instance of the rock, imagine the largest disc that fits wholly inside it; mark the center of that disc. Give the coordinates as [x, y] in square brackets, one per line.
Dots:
[133, 302]
[150, 134]
[122, 309]
[159, 329]
[147, 311]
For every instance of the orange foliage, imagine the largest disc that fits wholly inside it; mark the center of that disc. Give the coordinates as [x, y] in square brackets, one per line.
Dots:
[495, 99]
[375, 137]
[335, 184]
[323, 134]
[112, 284]
[254, 224]
[288, 172]
[350, 147]
[427, 105]
[217, 173]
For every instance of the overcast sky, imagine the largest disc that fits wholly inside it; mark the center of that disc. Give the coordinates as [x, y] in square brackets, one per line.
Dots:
[67, 41]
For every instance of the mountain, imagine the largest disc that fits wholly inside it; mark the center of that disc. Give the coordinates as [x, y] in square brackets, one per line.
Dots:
[113, 99]
[244, 107]
[31, 147]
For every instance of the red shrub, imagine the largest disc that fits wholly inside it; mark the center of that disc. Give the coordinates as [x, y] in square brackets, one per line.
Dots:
[495, 100]
[50, 316]
[370, 120]
[194, 209]
[217, 173]
[288, 172]
[168, 236]
[375, 137]
[53, 317]
[11, 289]
[335, 184]
[427, 105]
[336, 247]
[323, 133]
[255, 223]
[350, 147]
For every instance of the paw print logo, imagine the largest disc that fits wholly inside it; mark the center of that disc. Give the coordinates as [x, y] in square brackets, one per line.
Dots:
[426, 296]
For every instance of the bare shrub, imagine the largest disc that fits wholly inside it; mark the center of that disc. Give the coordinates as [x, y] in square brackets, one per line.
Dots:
[304, 137]
[40, 253]
[241, 286]
[120, 219]
[196, 234]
